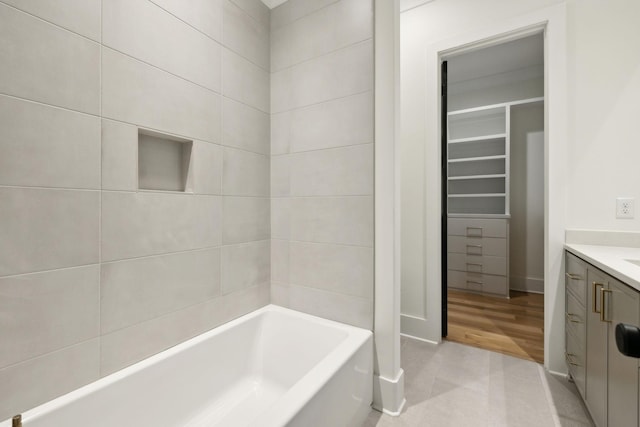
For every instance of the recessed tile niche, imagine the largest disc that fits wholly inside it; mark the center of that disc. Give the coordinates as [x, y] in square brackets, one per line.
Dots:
[164, 162]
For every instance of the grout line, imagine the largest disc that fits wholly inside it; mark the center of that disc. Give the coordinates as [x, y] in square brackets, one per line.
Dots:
[101, 97]
[342, 294]
[325, 101]
[218, 42]
[53, 24]
[305, 15]
[331, 52]
[37, 187]
[98, 264]
[48, 353]
[321, 243]
[99, 116]
[549, 397]
[315, 150]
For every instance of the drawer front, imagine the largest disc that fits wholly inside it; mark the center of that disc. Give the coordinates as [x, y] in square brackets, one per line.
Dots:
[484, 283]
[576, 320]
[486, 246]
[576, 277]
[477, 227]
[575, 357]
[477, 264]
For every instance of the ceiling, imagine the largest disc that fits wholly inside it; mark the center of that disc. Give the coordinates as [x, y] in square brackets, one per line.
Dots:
[519, 54]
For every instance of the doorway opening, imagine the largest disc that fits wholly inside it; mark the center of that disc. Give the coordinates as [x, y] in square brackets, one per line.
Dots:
[493, 197]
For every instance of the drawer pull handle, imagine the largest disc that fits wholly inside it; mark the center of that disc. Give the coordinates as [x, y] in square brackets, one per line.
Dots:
[594, 294]
[570, 318]
[603, 302]
[478, 234]
[568, 357]
[474, 246]
[573, 276]
[475, 282]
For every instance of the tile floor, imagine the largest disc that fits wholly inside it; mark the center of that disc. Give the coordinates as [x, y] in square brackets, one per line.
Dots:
[457, 385]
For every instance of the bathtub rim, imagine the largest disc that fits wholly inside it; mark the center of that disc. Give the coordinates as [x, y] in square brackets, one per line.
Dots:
[305, 388]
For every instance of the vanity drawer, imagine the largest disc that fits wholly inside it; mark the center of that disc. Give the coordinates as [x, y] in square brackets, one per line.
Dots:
[576, 321]
[576, 277]
[484, 283]
[477, 227]
[575, 358]
[487, 246]
[477, 264]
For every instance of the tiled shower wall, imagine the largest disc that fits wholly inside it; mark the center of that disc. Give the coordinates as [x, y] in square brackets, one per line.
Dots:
[322, 158]
[94, 274]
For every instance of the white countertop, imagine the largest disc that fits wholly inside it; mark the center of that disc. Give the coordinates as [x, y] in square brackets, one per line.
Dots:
[612, 260]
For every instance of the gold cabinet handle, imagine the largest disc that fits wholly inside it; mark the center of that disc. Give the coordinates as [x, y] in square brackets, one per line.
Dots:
[594, 294]
[573, 276]
[603, 292]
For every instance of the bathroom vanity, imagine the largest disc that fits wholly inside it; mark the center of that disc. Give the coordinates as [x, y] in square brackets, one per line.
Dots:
[602, 290]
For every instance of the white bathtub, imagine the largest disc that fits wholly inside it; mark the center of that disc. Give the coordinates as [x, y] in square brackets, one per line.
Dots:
[272, 367]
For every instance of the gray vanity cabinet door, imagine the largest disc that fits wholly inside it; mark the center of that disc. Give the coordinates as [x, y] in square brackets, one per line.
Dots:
[596, 372]
[622, 305]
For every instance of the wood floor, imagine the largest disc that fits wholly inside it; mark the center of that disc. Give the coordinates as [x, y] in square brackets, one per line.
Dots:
[510, 326]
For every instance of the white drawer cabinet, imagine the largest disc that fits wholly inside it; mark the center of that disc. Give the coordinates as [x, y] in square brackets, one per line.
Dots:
[477, 258]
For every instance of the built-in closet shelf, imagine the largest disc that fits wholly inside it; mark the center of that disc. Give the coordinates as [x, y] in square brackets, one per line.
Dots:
[477, 159]
[468, 177]
[478, 195]
[483, 108]
[477, 138]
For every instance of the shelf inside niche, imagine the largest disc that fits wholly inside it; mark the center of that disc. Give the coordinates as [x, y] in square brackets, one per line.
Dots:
[164, 162]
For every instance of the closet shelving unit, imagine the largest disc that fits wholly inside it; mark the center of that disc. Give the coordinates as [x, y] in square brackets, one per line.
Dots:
[478, 197]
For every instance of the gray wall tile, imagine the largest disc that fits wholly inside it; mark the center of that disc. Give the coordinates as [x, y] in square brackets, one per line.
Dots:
[245, 127]
[245, 219]
[245, 35]
[348, 71]
[340, 171]
[205, 15]
[281, 133]
[47, 146]
[36, 381]
[280, 261]
[340, 220]
[79, 16]
[281, 218]
[245, 265]
[207, 168]
[334, 306]
[44, 63]
[288, 12]
[336, 123]
[47, 229]
[119, 156]
[280, 176]
[256, 9]
[133, 291]
[344, 269]
[137, 93]
[164, 41]
[245, 81]
[129, 345]
[150, 223]
[43, 312]
[245, 173]
[339, 25]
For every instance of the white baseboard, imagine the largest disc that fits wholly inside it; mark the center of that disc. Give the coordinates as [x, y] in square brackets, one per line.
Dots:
[388, 394]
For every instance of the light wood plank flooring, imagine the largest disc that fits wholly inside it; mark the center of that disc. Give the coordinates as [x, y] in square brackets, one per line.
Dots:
[510, 326]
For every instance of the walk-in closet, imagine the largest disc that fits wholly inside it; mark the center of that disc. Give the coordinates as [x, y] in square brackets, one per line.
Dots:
[493, 143]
